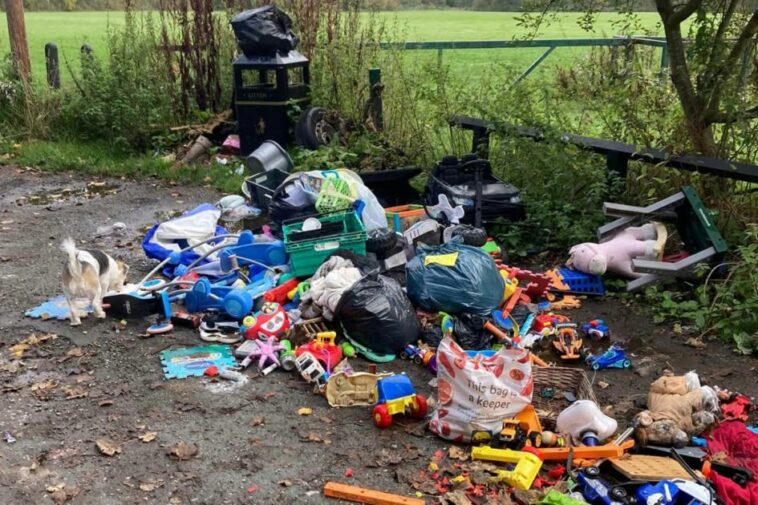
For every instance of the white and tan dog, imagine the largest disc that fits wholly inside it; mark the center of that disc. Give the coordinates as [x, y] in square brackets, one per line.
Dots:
[90, 274]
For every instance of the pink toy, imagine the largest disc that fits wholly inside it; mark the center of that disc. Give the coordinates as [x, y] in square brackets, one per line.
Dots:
[265, 351]
[616, 254]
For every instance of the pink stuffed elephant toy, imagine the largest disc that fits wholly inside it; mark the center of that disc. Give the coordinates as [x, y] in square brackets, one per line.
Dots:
[616, 254]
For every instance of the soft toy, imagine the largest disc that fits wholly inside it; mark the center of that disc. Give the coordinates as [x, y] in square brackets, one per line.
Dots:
[678, 408]
[616, 254]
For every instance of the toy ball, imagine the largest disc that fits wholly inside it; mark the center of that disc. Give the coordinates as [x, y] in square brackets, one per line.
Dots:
[269, 308]
[549, 439]
[248, 321]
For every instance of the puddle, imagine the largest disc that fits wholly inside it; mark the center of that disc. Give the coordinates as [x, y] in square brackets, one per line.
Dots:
[49, 196]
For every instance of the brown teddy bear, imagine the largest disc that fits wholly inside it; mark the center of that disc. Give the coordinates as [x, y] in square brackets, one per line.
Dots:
[678, 408]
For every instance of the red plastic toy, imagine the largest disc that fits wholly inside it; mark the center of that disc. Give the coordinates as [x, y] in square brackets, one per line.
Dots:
[279, 293]
[271, 321]
[323, 349]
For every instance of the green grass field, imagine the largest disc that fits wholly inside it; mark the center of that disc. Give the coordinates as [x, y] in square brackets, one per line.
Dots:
[69, 30]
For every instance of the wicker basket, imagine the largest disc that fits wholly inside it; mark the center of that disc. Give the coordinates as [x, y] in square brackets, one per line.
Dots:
[572, 380]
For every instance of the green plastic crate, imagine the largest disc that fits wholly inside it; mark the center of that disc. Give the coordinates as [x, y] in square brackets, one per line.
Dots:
[307, 255]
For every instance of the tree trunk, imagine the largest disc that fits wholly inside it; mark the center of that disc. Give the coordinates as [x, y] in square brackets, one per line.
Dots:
[14, 12]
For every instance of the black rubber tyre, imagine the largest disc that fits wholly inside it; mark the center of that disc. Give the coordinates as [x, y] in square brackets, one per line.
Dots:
[619, 493]
[592, 471]
[313, 129]
[471, 236]
[381, 240]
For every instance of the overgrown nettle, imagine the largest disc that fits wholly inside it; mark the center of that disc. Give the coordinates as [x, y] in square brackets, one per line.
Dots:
[710, 68]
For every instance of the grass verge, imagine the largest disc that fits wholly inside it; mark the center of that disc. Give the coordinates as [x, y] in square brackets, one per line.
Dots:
[100, 159]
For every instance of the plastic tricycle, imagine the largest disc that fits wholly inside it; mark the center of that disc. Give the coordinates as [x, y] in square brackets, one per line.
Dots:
[396, 395]
[323, 349]
[614, 357]
[596, 329]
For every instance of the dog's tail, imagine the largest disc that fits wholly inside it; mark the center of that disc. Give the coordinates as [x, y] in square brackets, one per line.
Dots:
[69, 247]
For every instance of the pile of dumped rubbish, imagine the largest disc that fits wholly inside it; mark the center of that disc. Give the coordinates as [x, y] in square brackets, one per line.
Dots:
[326, 283]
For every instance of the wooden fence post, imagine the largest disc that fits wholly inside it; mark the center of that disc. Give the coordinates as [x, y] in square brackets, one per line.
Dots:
[51, 63]
[14, 12]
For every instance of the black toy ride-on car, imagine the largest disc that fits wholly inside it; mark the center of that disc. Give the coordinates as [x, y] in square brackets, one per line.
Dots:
[457, 179]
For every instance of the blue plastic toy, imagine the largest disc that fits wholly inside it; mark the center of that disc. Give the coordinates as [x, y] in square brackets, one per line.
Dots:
[597, 491]
[396, 395]
[203, 296]
[596, 329]
[251, 254]
[54, 308]
[614, 357]
[664, 493]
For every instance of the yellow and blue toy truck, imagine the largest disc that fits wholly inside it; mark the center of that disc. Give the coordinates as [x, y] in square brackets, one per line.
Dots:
[396, 395]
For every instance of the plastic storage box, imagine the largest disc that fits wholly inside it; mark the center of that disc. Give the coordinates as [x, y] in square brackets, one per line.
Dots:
[307, 250]
[259, 188]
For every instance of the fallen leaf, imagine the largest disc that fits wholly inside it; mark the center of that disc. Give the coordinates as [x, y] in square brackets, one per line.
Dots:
[455, 498]
[105, 403]
[148, 436]
[456, 452]
[151, 484]
[285, 483]
[314, 437]
[74, 392]
[183, 451]
[602, 384]
[108, 446]
[17, 350]
[305, 411]
[76, 352]
[256, 421]
[695, 342]
[42, 389]
[386, 458]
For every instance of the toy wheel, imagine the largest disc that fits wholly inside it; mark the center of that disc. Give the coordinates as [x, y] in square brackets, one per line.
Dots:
[403, 355]
[471, 236]
[627, 363]
[381, 240]
[418, 360]
[592, 471]
[596, 366]
[238, 304]
[382, 417]
[618, 493]
[536, 439]
[419, 407]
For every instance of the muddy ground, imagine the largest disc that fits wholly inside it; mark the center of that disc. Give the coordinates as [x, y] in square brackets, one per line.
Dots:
[253, 447]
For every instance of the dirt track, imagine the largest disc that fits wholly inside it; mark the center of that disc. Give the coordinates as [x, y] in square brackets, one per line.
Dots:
[253, 446]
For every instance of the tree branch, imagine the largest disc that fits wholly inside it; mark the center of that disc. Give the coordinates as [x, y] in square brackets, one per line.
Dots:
[713, 83]
[724, 118]
[688, 9]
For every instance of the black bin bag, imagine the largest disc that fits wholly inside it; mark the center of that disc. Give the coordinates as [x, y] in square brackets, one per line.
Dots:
[376, 314]
[264, 30]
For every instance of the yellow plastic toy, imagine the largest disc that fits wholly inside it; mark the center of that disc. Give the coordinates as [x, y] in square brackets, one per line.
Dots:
[510, 285]
[522, 476]
[325, 338]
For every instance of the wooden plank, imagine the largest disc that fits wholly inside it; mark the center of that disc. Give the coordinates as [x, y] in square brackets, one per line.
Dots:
[368, 496]
[650, 468]
[691, 162]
